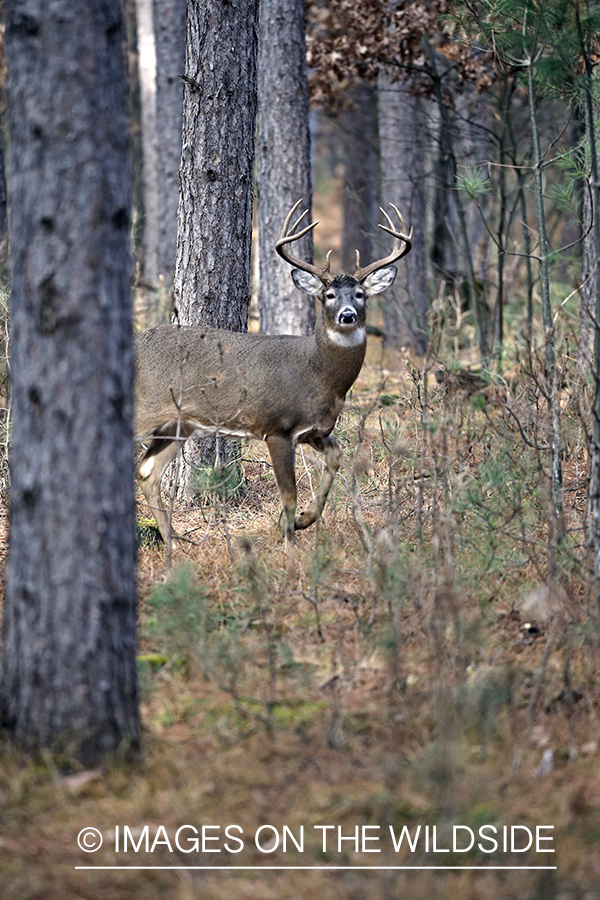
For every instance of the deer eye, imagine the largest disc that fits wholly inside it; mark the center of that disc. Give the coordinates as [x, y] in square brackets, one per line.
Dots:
[360, 294]
[330, 295]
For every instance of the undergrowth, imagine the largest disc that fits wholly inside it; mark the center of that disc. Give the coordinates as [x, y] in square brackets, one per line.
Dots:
[390, 668]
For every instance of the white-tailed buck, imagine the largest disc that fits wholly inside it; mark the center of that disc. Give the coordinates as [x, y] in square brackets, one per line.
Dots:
[280, 389]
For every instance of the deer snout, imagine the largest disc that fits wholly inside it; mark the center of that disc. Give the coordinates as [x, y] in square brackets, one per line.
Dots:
[347, 316]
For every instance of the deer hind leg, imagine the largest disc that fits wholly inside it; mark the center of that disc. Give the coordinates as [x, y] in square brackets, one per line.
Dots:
[333, 460]
[281, 451]
[149, 473]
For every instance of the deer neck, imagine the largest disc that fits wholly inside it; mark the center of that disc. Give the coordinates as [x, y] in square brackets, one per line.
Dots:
[339, 356]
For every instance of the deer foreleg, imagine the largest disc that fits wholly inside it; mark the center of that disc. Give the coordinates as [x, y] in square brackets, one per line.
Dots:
[333, 460]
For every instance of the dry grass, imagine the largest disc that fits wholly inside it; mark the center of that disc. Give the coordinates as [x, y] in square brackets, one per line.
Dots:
[377, 674]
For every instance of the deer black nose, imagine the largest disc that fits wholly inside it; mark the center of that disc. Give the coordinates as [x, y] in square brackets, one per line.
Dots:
[347, 316]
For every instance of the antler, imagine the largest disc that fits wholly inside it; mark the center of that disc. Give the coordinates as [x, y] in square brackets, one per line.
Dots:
[290, 234]
[402, 245]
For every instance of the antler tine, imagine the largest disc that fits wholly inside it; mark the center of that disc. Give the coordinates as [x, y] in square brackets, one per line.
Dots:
[402, 245]
[288, 218]
[290, 232]
[391, 230]
[288, 235]
[294, 235]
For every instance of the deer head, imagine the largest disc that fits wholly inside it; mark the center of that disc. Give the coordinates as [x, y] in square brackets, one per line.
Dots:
[343, 297]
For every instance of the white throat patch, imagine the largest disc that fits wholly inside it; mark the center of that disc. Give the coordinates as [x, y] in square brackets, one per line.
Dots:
[349, 339]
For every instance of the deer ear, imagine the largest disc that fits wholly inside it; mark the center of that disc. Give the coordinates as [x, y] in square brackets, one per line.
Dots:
[380, 280]
[306, 282]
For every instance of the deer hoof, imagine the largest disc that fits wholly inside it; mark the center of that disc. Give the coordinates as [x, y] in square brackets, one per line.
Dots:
[305, 519]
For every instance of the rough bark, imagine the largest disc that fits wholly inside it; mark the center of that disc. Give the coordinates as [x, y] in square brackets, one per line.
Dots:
[593, 304]
[402, 178]
[169, 32]
[361, 178]
[68, 664]
[146, 46]
[216, 176]
[589, 275]
[283, 161]
[212, 269]
[3, 208]
[3, 197]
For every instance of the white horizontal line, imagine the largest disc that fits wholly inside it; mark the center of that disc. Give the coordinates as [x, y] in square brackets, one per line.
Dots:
[322, 868]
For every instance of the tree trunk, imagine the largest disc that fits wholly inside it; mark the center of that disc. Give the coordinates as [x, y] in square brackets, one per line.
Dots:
[169, 35]
[361, 177]
[402, 178]
[554, 438]
[3, 211]
[471, 121]
[504, 100]
[136, 153]
[214, 236]
[589, 266]
[448, 163]
[593, 308]
[68, 665]
[212, 269]
[283, 161]
[147, 78]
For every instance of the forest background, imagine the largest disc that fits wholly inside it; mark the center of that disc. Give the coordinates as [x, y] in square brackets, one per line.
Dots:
[429, 655]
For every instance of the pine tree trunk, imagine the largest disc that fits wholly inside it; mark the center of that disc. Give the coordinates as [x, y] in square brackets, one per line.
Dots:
[593, 310]
[169, 36]
[3, 208]
[589, 266]
[212, 270]
[68, 664]
[402, 178]
[216, 176]
[283, 161]
[361, 178]
[147, 79]
[449, 186]
[551, 375]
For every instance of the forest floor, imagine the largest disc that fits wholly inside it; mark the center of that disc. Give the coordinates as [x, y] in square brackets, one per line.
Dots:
[394, 668]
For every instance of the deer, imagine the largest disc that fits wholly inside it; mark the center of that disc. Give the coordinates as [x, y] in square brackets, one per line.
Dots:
[283, 389]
